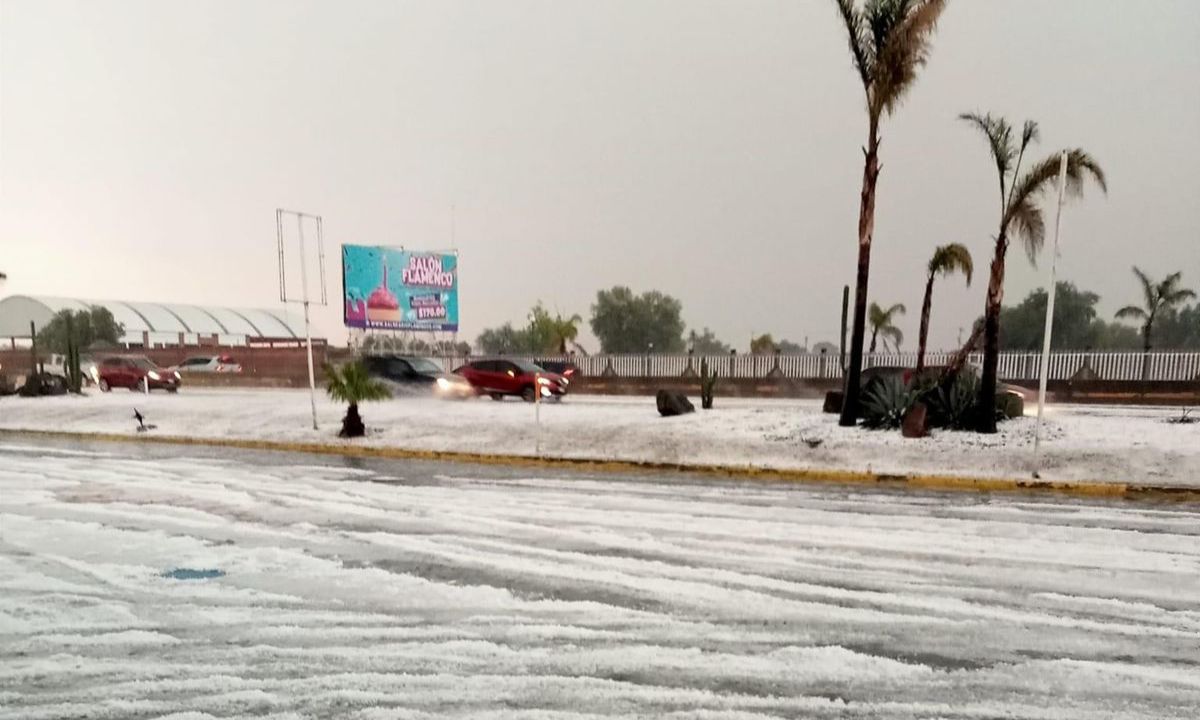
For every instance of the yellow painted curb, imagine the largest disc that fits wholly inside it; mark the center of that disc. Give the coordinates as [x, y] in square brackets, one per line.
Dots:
[953, 483]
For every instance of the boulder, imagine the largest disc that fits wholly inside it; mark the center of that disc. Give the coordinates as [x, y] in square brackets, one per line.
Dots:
[671, 403]
[915, 422]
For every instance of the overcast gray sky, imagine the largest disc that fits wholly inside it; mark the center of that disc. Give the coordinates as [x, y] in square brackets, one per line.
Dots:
[706, 149]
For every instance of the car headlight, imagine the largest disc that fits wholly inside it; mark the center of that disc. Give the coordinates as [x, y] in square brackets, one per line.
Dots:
[443, 384]
[178, 376]
[153, 375]
[543, 381]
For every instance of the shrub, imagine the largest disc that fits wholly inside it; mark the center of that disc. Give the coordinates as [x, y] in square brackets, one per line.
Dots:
[952, 405]
[885, 401]
[352, 384]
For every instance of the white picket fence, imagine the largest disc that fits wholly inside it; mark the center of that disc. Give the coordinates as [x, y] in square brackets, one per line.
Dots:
[1013, 366]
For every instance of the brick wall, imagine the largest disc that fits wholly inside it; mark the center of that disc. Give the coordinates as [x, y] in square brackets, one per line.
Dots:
[264, 367]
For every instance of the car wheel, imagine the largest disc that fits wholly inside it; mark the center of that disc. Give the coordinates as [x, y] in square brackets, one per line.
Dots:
[104, 386]
[496, 396]
[172, 390]
[529, 394]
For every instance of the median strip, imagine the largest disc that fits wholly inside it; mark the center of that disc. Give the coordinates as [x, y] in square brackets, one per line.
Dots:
[912, 481]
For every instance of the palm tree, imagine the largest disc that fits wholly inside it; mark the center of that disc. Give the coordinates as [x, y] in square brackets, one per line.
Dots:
[352, 384]
[1020, 215]
[565, 330]
[889, 43]
[882, 324]
[1159, 297]
[946, 260]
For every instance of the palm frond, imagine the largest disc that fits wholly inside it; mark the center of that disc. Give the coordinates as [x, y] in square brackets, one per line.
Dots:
[1080, 167]
[894, 334]
[1131, 312]
[1149, 291]
[903, 47]
[860, 43]
[1022, 214]
[1029, 225]
[954, 257]
[1179, 296]
[353, 384]
[1169, 292]
[1029, 135]
[998, 133]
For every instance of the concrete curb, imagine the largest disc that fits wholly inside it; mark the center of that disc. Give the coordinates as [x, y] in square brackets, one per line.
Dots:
[950, 483]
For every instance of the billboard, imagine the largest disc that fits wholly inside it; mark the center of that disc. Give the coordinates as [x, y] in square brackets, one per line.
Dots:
[391, 289]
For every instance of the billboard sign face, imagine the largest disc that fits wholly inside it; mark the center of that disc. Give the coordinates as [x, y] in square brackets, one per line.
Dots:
[389, 289]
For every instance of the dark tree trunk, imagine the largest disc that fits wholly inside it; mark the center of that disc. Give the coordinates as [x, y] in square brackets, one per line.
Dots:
[874, 335]
[352, 424]
[923, 336]
[866, 229]
[1146, 350]
[991, 339]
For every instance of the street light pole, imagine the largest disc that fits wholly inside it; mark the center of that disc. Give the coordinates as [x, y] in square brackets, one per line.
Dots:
[1050, 292]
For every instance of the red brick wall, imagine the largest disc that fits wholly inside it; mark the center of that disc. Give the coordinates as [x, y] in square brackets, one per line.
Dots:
[286, 367]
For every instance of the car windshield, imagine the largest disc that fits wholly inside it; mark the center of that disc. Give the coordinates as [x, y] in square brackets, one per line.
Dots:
[143, 363]
[424, 365]
[528, 367]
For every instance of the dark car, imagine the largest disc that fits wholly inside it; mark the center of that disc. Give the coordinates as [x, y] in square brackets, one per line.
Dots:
[569, 370]
[417, 375]
[136, 373]
[500, 378]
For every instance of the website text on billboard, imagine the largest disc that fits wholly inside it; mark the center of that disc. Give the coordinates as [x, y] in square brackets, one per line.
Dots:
[392, 289]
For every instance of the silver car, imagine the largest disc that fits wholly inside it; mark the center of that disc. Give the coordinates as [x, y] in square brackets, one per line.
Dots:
[209, 363]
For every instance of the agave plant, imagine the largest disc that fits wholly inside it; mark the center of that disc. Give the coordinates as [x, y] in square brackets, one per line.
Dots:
[954, 404]
[352, 384]
[885, 402]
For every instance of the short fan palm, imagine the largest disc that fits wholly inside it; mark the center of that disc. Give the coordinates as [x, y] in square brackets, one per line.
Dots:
[352, 384]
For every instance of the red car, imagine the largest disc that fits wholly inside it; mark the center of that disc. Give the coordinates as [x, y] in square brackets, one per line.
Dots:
[135, 373]
[498, 378]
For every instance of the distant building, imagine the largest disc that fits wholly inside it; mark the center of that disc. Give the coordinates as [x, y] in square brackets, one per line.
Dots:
[149, 325]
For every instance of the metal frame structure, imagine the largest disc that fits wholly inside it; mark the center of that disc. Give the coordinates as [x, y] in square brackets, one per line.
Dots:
[303, 298]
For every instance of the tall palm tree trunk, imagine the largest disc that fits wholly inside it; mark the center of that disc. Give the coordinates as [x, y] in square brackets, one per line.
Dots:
[866, 229]
[991, 339]
[1146, 352]
[926, 306]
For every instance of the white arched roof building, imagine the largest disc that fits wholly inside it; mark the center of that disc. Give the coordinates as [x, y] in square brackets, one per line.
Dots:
[148, 323]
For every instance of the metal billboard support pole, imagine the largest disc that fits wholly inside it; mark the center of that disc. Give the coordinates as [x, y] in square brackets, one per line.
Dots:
[304, 298]
[312, 380]
[1050, 292]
